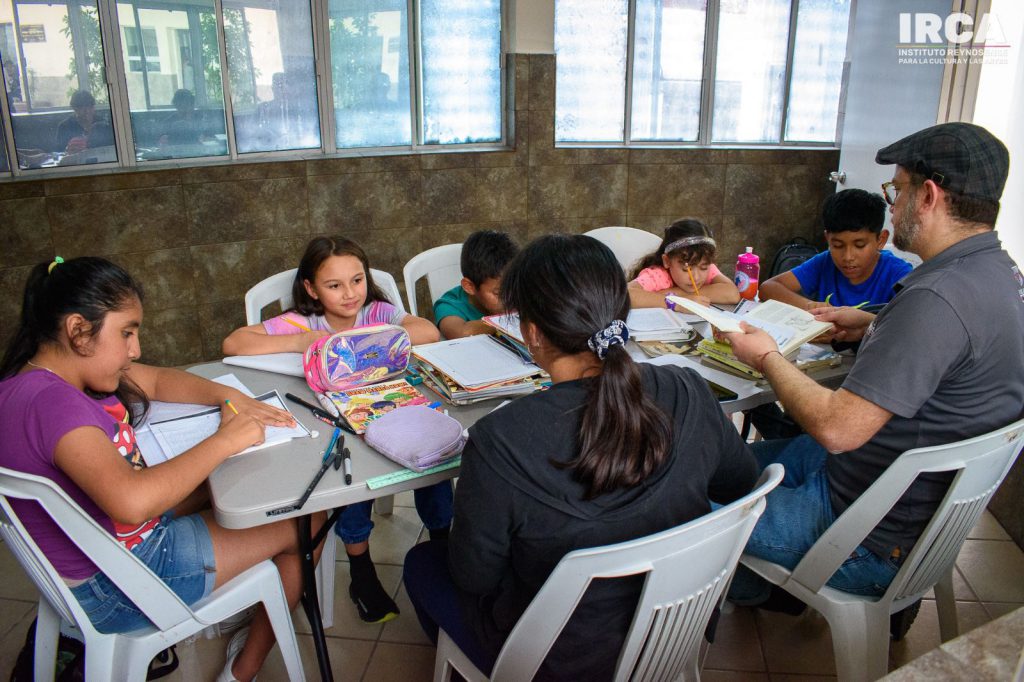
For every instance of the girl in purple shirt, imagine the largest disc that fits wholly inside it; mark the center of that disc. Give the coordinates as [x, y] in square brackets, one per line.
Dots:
[70, 392]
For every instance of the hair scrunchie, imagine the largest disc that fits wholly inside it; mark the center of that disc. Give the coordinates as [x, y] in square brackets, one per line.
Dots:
[614, 334]
[57, 260]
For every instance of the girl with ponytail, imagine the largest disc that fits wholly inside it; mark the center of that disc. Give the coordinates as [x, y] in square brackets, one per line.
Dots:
[611, 452]
[70, 394]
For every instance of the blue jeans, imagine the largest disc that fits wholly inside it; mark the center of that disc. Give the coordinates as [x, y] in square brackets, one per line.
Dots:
[179, 551]
[433, 503]
[798, 512]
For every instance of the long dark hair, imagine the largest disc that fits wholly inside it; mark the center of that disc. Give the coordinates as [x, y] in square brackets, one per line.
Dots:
[319, 250]
[691, 255]
[571, 286]
[88, 286]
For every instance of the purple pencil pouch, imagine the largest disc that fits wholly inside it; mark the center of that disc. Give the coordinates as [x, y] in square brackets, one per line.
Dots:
[417, 437]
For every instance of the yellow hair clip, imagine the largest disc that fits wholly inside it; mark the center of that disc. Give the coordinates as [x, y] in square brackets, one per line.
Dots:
[56, 261]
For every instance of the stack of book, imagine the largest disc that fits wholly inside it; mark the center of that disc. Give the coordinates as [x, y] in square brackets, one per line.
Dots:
[475, 368]
[809, 357]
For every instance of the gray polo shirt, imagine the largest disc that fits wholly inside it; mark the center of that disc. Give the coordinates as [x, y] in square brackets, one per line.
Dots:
[946, 357]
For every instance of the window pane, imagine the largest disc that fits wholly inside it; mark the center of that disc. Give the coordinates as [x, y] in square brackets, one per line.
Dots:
[750, 70]
[668, 64]
[53, 63]
[590, 49]
[461, 54]
[3, 150]
[821, 29]
[172, 68]
[370, 69]
[273, 83]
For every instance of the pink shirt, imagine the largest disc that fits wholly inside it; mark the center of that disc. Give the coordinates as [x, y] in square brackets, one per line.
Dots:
[656, 277]
[378, 312]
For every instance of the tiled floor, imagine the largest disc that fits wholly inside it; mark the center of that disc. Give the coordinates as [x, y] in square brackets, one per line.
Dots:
[751, 645]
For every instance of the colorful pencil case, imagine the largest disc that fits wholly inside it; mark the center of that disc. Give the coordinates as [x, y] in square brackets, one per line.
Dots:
[417, 437]
[360, 356]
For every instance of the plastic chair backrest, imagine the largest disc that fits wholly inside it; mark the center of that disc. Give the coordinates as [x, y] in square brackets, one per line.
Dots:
[440, 265]
[687, 569]
[147, 591]
[979, 465]
[627, 243]
[279, 288]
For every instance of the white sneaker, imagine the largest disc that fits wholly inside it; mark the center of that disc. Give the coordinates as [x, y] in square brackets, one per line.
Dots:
[235, 645]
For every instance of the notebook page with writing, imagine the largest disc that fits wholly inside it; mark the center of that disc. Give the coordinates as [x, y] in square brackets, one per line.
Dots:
[152, 450]
[184, 433]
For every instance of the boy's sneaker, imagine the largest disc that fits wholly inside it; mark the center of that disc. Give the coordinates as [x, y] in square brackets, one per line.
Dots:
[372, 602]
[900, 622]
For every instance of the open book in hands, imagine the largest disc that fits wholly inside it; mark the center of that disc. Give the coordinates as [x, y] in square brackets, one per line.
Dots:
[788, 325]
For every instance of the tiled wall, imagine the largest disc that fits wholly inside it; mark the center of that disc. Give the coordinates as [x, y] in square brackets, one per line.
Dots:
[199, 237]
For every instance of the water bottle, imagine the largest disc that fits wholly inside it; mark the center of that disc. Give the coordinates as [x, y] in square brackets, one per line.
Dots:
[748, 270]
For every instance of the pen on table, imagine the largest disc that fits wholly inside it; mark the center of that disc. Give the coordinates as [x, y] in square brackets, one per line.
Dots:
[296, 324]
[330, 445]
[321, 414]
[233, 408]
[692, 280]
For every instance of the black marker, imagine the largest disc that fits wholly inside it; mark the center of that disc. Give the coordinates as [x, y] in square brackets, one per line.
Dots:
[320, 413]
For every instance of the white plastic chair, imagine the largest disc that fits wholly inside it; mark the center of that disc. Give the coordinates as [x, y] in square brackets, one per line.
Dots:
[627, 243]
[279, 288]
[688, 569]
[126, 656]
[440, 265]
[860, 625]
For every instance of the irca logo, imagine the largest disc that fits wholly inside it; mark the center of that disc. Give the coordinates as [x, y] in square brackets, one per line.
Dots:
[918, 28]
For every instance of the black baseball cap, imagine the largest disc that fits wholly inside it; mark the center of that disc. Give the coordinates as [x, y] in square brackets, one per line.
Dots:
[958, 157]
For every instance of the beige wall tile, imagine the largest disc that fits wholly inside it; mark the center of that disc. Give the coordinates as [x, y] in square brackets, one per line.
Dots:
[166, 277]
[467, 195]
[362, 201]
[171, 337]
[248, 209]
[676, 189]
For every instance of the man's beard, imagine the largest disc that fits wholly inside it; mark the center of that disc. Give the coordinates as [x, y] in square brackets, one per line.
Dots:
[905, 227]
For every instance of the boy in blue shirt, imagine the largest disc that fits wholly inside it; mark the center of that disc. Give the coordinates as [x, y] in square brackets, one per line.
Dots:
[855, 271]
[459, 311]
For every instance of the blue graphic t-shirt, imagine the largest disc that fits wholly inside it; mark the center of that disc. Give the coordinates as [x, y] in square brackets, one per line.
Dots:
[820, 277]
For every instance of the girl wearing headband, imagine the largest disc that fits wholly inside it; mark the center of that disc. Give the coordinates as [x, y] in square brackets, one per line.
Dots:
[683, 265]
[614, 450]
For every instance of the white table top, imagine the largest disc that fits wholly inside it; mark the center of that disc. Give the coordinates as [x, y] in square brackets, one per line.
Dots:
[243, 489]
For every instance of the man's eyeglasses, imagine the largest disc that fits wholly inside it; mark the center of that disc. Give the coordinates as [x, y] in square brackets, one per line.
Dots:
[890, 191]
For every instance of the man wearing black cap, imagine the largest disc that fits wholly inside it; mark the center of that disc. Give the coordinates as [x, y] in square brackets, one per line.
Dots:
[942, 362]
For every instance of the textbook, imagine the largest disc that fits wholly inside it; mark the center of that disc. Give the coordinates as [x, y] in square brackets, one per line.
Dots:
[657, 324]
[788, 325]
[360, 406]
[809, 357]
[475, 368]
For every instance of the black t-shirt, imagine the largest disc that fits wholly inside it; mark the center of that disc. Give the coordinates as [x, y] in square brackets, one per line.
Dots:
[946, 357]
[517, 515]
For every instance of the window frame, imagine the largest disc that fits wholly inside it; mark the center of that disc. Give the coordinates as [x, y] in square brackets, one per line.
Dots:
[116, 69]
[707, 99]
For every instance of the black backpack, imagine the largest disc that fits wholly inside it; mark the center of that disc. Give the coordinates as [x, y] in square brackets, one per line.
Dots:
[794, 252]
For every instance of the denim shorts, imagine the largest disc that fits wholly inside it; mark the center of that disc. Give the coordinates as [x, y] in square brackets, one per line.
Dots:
[179, 551]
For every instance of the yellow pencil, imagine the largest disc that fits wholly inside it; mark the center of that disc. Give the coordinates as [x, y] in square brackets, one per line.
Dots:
[233, 409]
[692, 280]
[296, 324]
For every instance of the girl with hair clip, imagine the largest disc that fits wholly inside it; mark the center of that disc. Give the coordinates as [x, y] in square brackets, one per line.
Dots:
[683, 265]
[334, 291]
[611, 452]
[70, 394]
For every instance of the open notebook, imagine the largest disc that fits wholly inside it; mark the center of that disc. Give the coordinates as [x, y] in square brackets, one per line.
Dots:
[173, 428]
